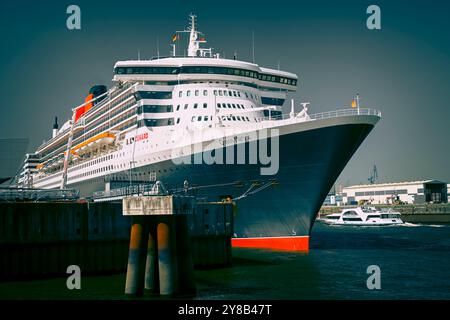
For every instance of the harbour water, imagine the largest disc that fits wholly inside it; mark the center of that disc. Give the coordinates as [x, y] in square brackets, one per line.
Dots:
[414, 261]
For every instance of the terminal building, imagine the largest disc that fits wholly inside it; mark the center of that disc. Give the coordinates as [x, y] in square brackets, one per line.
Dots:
[414, 192]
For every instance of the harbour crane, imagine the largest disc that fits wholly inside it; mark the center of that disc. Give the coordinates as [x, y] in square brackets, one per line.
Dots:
[374, 175]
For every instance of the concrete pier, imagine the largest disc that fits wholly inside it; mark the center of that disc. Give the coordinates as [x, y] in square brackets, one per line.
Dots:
[168, 214]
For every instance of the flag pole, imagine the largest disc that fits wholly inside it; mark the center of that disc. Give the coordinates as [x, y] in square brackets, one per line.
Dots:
[357, 102]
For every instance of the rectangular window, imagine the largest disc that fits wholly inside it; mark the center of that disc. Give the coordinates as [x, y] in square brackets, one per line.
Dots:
[215, 92]
[178, 107]
[180, 94]
[153, 95]
[218, 105]
[196, 93]
[199, 118]
[154, 109]
[205, 92]
[157, 122]
[205, 105]
[220, 93]
[185, 106]
[195, 105]
[188, 94]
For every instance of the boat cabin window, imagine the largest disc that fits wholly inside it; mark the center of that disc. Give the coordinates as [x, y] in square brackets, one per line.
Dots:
[390, 216]
[352, 219]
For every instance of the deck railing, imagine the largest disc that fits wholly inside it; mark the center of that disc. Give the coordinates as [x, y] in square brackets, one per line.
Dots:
[328, 114]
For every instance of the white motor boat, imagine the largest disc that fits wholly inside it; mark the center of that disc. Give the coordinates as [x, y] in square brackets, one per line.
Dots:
[364, 216]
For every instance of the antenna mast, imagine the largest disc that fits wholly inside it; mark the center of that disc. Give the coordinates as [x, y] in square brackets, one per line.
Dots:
[193, 36]
[253, 46]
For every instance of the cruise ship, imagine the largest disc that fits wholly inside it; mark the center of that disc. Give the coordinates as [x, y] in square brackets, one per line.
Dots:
[164, 114]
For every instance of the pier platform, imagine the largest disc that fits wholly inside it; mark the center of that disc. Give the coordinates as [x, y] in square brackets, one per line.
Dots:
[41, 239]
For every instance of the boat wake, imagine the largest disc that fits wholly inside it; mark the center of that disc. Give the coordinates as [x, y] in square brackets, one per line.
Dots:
[408, 224]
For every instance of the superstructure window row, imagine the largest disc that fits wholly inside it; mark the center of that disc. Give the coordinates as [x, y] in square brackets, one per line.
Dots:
[206, 70]
[230, 106]
[153, 95]
[155, 122]
[154, 109]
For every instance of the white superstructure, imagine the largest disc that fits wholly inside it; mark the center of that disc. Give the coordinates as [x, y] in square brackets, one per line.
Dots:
[154, 101]
[124, 133]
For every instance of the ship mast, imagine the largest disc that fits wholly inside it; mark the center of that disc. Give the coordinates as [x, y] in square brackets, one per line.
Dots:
[193, 36]
[195, 39]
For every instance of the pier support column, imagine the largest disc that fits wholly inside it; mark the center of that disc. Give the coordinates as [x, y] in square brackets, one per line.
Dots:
[136, 257]
[167, 256]
[151, 269]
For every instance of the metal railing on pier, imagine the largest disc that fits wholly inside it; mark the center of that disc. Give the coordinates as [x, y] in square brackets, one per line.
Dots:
[36, 195]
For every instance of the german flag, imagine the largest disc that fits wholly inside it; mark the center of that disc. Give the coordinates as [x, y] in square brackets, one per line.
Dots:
[175, 37]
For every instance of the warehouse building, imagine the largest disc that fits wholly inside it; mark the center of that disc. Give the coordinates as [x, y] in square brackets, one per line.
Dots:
[428, 191]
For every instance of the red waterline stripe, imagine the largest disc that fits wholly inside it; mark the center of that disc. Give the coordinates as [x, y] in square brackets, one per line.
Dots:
[274, 243]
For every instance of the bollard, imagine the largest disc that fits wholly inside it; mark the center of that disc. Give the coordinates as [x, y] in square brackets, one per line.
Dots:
[151, 269]
[136, 257]
[186, 280]
[166, 256]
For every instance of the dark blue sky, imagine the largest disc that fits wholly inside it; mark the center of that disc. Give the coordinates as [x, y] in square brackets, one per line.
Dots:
[402, 69]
